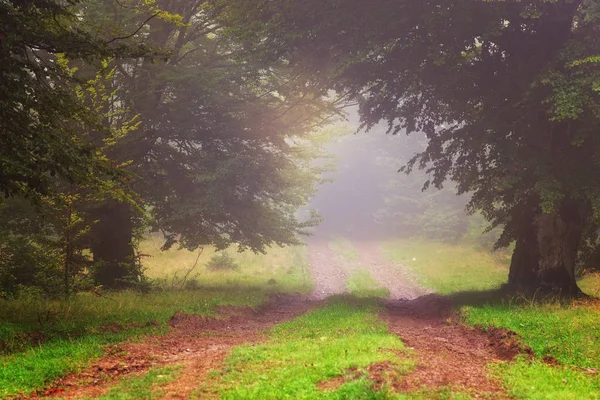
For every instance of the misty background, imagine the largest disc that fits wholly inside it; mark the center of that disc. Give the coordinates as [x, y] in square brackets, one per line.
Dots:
[365, 196]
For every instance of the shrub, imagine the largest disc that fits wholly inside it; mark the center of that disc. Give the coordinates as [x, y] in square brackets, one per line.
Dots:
[222, 262]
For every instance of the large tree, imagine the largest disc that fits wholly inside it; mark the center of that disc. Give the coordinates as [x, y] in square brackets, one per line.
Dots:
[505, 91]
[222, 153]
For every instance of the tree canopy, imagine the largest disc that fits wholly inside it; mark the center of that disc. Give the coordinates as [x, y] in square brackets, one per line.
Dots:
[506, 93]
[193, 138]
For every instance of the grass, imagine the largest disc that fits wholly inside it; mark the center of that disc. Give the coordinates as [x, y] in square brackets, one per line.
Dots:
[75, 332]
[566, 332]
[320, 346]
[42, 340]
[449, 268]
[344, 247]
[148, 386]
[286, 268]
[361, 284]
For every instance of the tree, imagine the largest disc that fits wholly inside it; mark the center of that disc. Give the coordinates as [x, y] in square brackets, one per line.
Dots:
[40, 116]
[222, 154]
[505, 91]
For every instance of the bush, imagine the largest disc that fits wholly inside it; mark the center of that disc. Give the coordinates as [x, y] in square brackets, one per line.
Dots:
[222, 262]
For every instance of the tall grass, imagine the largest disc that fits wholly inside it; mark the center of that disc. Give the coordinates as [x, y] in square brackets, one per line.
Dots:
[284, 269]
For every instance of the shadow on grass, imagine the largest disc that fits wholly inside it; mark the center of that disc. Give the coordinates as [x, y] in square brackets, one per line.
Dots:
[505, 295]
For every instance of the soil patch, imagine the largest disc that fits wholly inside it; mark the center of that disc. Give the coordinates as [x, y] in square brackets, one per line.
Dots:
[506, 343]
[329, 271]
[448, 354]
[199, 344]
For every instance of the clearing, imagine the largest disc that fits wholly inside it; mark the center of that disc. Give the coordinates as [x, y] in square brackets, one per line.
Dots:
[371, 325]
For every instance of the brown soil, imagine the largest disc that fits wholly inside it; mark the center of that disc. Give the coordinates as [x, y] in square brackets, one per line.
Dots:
[329, 270]
[198, 344]
[448, 354]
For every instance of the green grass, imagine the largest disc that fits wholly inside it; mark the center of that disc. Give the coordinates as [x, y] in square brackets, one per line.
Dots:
[344, 248]
[148, 386]
[74, 334]
[449, 268]
[313, 348]
[568, 333]
[362, 284]
[71, 333]
[536, 380]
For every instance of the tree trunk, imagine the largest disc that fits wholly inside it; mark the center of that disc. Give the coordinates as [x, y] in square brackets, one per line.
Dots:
[546, 251]
[112, 246]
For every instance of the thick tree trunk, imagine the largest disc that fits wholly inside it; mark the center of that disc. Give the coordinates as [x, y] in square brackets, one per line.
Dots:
[112, 246]
[546, 251]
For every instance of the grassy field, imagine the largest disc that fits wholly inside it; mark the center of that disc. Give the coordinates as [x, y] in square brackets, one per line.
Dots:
[564, 336]
[42, 340]
[286, 268]
[447, 268]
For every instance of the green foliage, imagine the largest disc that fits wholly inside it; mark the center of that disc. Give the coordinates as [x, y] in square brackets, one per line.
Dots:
[222, 262]
[504, 92]
[41, 116]
[313, 348]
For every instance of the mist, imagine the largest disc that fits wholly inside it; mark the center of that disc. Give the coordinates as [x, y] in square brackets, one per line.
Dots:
[367, 197]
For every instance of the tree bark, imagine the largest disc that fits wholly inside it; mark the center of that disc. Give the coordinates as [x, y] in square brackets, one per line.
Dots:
[546, 251]
[112, 246]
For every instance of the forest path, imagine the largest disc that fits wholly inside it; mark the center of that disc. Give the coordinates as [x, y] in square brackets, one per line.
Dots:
[448, 354]
[194, 344]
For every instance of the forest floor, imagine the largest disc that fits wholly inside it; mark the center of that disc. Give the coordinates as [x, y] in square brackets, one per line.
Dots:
[371, 325]
[449, 360]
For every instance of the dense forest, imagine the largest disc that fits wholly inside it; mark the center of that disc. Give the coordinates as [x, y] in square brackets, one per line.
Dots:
[202, 120]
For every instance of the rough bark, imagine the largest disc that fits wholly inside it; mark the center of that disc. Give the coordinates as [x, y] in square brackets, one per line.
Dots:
[546, 251]
[112, 246]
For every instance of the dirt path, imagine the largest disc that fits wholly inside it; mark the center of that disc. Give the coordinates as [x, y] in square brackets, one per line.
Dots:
[329, 270]
[398, 279]
[448, 354]
[197, 344]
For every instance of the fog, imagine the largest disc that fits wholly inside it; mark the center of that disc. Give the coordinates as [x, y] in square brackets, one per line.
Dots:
[366, 196]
